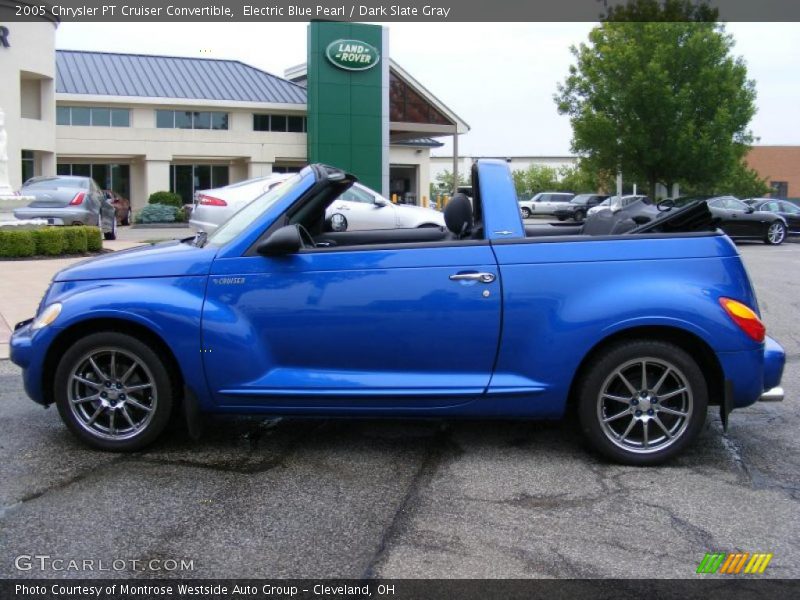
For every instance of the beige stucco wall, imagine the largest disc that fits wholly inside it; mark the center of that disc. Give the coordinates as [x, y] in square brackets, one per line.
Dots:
[31, 55]
[150, 150]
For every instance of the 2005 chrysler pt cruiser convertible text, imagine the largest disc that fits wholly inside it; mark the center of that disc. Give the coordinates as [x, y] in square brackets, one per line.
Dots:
[634, 327]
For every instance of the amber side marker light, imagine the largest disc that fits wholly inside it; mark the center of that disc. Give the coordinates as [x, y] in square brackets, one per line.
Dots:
[745, 318]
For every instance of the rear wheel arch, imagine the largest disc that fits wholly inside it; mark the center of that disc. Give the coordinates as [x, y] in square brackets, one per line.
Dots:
[70, 335]
[695, 346]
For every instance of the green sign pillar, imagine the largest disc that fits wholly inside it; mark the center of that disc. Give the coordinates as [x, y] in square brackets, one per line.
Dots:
[348, 99]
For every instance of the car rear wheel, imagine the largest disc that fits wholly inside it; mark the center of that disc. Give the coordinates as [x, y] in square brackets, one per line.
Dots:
[526, 213]
[580, 215]
[113, 392]
[642, 402]
[776, 233]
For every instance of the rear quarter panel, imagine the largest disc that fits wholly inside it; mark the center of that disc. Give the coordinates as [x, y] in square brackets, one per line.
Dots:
[563, 298]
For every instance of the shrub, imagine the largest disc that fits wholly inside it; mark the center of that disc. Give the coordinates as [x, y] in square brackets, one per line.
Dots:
[17, 243]
[75, 240]
[94, 239]
[49, 241]
[167, 198]
[157, 213]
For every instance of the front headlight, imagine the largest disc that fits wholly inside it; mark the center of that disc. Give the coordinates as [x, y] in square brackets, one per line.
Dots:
[47, 316]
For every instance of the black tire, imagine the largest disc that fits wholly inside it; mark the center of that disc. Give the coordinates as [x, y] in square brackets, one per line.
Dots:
[126, 220]
[775, 234]
[580, 215]
[602, 374]
[151, 369]
[526, 213]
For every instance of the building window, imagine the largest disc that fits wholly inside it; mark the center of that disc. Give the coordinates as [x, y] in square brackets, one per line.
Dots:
[290, 123]
[286, 169]
[406, 105]
[95, 116]
[780, 189]
[165, 119]
[185, 180]
[28, 165]
[186, 119]
[114, 177]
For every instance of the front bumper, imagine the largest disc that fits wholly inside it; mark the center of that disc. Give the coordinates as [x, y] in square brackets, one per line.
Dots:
[27, 350]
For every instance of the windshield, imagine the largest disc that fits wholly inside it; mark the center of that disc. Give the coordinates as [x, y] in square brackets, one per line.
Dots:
[251, 212]
[581, 199]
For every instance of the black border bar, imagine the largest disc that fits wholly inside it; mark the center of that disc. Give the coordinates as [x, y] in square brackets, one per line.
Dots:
[706, 587]
[441, 11]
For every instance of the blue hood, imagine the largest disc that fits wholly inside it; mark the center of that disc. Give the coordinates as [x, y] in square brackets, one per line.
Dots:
[168, 259]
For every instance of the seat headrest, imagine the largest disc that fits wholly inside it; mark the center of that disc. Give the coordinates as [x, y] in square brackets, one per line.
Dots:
[458, 215]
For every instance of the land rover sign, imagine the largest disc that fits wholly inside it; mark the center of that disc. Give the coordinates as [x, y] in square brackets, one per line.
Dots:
[352, 55]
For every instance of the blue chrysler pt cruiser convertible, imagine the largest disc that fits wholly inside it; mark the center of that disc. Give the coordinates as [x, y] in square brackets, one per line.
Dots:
[635, 327]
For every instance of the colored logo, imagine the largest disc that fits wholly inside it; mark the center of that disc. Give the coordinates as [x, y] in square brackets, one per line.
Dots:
[734, 564]
[352, 55]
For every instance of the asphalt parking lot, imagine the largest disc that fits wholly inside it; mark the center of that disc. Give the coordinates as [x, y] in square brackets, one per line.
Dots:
[328, 498]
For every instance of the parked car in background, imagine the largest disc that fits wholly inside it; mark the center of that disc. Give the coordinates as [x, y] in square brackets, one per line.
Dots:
[783, 208]
[577, 208]
[68, 200]
[615, 203]
[544, 203]
[213, 207]
[741, 221]
[121, 205]
[357, 209]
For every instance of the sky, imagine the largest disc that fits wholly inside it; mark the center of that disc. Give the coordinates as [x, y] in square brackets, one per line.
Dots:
[498, 77]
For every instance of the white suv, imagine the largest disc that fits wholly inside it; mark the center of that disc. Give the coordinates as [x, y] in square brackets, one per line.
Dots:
[544, 203]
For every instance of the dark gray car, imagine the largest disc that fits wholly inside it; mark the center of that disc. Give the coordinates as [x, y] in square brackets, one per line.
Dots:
[65, 200]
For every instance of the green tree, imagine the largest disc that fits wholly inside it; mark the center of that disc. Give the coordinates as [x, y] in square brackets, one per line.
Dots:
[583, 178]
[445, 179]
[535, 179]
[740, 181]
[663, 102]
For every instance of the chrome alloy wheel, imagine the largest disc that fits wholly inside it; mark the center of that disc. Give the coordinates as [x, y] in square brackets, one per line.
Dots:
[645, 405]
[112, 394]
[776, 233]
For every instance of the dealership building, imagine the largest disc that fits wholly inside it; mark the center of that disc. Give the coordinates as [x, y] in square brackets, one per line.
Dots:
[138, 124]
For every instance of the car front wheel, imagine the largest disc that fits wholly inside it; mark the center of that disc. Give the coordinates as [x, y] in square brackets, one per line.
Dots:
[113, 392]
[776, 233]
[526, 213]
[642, 402]
[580, 215]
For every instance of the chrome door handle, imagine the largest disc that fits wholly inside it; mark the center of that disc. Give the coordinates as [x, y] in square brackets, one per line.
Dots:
[482, 277]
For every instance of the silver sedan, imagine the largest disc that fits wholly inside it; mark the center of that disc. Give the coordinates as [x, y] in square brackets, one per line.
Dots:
[359, 208]
[67, 200]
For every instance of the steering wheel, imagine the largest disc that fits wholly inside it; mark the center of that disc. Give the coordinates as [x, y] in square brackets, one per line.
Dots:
[665, 205]
[305, 236]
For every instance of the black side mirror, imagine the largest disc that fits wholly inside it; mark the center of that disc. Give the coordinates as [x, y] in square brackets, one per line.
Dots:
[749, 210]
[285, 240]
